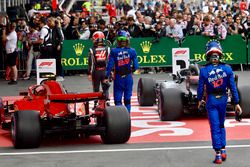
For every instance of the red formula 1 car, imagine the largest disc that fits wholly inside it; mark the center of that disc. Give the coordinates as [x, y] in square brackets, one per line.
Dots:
[47, 108]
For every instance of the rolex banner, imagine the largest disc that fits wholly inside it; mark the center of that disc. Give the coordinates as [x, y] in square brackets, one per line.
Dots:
[75, 54]
[156, 54]
[150, 54]
[234, 48]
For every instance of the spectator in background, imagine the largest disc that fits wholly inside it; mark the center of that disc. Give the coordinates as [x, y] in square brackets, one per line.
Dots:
[33, 48]
[207, 27]
[149, 11]
[111, 34]
[174, 31]
[11, 45]
[166, 8]
[57, 41]
[230, 25]
[45, 38]
[102, 26]
[243, 5]
[126, 7]
[84, 32]
[238, 24]
[133, 29]
[111, 10]
[219, 29]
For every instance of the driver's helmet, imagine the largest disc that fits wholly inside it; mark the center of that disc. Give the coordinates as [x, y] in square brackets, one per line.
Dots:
[40, 90]
[98, 37]
[213, 48]
[122, 36]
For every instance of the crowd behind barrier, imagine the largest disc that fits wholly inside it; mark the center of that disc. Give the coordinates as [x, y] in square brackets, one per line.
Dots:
[151, 24]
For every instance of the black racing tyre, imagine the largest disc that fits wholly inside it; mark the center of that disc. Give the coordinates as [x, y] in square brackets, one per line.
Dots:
[26, 129]
[171, 105]
[193, 70]
[118, 125]
[145, 92]
[244, 92]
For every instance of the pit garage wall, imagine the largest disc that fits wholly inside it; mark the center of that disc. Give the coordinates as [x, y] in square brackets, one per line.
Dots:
[157, 54]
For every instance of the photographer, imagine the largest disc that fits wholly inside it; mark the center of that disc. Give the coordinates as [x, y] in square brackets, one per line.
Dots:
[159, 31]
[84, 32]
[111, 34]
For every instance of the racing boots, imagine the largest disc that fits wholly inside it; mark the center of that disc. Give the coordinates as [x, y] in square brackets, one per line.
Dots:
[223, 154]
[218, 158]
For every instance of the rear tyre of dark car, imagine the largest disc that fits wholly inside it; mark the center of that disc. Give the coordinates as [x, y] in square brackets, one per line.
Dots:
[26, 129]
[145, 92]
[171, 105]
[118, 125]
[244, 92]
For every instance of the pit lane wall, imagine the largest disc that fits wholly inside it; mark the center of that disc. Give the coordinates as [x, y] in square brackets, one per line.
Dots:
[157, 54]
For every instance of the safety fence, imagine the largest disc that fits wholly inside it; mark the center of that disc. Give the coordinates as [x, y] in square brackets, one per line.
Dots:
[158, 54]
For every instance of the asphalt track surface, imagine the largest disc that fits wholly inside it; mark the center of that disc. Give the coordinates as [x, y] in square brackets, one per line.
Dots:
[159, 154]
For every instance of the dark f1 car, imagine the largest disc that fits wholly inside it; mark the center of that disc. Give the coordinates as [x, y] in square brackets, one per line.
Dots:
[46, 109]
[179, 96]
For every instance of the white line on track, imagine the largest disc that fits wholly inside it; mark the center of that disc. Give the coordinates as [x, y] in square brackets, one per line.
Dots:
[118, 150]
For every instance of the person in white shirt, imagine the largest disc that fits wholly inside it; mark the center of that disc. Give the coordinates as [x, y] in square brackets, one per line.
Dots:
[11, 53]
[174, 31]
[46, 37]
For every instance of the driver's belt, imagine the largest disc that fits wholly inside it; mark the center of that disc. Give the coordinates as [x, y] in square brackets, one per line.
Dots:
[217, 94]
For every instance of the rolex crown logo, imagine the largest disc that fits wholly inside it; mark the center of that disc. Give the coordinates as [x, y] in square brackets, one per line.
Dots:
[78, 49]
[146, 45]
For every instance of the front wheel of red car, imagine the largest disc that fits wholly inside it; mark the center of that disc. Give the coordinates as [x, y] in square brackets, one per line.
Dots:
[26, 129]
[118, 125]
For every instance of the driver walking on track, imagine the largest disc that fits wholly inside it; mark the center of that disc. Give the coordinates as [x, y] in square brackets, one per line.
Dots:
[216, 77]
[97, 62]
[122, 57]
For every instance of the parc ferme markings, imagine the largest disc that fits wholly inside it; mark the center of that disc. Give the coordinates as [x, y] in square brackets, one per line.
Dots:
[148, 128]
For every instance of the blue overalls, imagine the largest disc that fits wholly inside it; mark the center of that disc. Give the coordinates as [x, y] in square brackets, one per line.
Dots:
[216, 79]
[122, 59]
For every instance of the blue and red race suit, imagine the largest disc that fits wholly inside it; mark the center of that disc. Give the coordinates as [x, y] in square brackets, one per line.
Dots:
[216, 79]
[122, 59]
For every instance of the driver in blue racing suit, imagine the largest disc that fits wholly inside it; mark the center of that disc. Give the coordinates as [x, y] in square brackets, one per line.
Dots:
[122, 57]
[215, 78]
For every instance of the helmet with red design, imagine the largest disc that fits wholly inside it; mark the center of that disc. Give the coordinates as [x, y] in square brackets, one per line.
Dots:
[213, 51]
[98, 38]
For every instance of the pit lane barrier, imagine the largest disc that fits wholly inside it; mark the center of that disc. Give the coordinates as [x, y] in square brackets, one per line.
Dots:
[158, 54]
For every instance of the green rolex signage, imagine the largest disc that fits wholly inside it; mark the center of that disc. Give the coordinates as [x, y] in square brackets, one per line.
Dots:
[154, 54]
[234, 48]
[75, 54]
